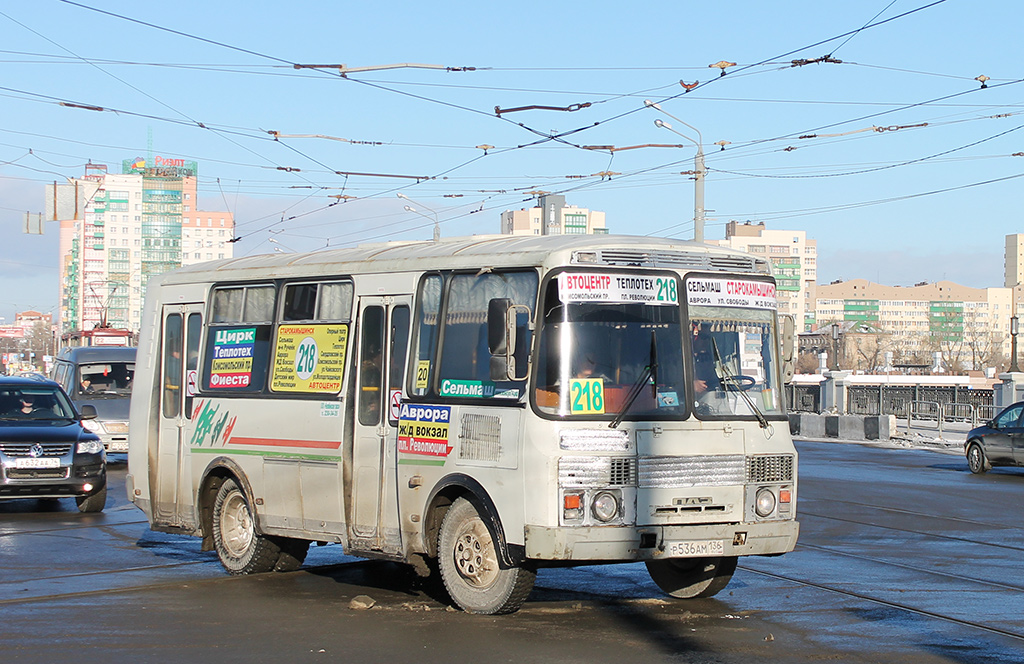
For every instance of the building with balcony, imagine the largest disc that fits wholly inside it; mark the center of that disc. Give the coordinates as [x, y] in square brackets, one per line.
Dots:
[968, 327]
[117, 230]
[794, 261]
[552, 216]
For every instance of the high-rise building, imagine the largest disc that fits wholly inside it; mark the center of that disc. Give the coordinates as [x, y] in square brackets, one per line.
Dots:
[1014, 260]
[118, 230]
[552, 216]
[794, 262]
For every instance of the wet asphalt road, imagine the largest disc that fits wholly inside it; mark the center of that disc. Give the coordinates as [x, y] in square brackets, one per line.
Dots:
[904, 556]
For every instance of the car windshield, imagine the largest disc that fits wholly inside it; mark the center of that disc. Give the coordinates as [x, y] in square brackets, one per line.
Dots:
[610, 348]
[34, 403]
[106, 379]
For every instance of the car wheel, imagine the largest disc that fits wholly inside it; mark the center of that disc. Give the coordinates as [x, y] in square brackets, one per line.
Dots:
[976, 460]
[469, 565]
[94, 503]
[689, 578]
[241, 549]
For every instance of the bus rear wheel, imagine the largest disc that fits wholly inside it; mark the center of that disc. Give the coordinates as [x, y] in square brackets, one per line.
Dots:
[241, 549]
[689, 578]
[468, 559]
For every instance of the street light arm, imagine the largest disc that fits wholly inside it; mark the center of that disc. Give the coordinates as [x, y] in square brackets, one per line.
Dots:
[650, 104]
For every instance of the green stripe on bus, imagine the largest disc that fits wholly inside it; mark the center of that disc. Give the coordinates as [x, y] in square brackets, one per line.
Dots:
[276, 455]
[421, 462]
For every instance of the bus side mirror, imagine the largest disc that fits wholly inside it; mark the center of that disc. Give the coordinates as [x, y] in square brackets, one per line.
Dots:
[788, 344]
[497, 314]
[502, 333]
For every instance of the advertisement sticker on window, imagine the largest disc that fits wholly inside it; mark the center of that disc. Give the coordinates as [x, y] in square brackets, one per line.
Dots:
[617, 288]
[309, 358]
[716, 292]
[232, 358]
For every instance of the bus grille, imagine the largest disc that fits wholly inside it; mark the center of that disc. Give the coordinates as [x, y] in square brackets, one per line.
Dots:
[583, 472]
[480, 438]
[665, 472]
[682, 259]
[767, 468]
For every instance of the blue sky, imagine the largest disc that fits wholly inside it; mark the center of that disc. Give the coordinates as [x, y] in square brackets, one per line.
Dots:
[907, 173]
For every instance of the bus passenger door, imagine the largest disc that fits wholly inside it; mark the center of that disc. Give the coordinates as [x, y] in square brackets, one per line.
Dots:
[179, 364]
[382, 350]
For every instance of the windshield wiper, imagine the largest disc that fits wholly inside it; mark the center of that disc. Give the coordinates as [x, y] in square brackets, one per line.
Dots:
[650, 372]
[728, 379]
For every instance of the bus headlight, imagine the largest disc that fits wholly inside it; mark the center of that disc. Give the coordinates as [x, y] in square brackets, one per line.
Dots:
[92, 425]
[605, 506]
[764, 503]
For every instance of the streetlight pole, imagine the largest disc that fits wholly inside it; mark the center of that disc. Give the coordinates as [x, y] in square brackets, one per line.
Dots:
[1014, 328]
[437, 224]
[698, 167]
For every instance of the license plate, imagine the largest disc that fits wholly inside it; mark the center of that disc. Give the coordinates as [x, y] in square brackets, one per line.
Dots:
[116, 427]
[119, 446]
[695, 549]
[25, 462]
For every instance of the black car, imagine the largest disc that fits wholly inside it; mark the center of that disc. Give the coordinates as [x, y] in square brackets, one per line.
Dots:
[45, 452]
[999, 442]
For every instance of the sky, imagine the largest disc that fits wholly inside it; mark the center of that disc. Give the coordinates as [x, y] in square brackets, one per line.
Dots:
[862, 123]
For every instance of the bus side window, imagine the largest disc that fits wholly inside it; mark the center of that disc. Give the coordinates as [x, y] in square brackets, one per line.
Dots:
[371, 365]
[195, 326]
[172, 365]
[399, 350]
[427, 330]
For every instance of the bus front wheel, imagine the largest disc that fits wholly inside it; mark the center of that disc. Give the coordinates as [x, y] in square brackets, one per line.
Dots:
[468, 560]
[240, 548]
[689, 578]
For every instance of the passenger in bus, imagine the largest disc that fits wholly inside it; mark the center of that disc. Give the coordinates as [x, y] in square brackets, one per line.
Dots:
[86, 386]
[705, 378]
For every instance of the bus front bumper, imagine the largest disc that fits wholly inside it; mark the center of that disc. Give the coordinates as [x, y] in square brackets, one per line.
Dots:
[613, 543]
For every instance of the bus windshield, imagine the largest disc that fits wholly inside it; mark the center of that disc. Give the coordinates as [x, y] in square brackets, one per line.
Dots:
[734, 362]
[594, 354]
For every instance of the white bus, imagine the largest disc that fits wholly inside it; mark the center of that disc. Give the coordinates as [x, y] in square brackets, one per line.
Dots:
[475, 407]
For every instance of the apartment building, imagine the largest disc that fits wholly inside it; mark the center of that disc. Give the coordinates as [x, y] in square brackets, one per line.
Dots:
[970, 326]
[551, 216]
[794, 261]
[117, 230]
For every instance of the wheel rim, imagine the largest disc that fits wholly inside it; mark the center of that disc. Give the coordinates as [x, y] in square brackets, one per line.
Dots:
[474, 555]
[975, 458]
[236, 526]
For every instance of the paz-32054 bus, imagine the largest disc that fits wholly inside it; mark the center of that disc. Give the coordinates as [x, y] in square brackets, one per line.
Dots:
[480, 406]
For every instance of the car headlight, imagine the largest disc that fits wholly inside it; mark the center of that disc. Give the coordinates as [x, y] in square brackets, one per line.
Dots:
[605, 506]
[90, 447]
[92, 425]
[764, 503]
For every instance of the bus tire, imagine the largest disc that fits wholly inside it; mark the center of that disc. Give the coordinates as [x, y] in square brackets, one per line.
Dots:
[94, 503]
[293, 554]
[976, 460]
[689, 578]
[240, 548]
[468, 560]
